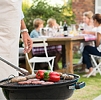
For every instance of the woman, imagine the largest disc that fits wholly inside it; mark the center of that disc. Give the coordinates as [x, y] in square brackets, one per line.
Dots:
[87, 21]
[52, 50]
[10, 24]
[87, 28]
[90, 49]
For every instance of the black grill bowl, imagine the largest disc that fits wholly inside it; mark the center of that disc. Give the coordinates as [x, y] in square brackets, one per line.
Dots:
[58, 91]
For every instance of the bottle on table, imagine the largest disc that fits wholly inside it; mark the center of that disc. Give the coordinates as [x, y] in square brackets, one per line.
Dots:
[65, 29]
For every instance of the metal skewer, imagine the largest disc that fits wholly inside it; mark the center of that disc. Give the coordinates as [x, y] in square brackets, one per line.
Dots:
[23, 71]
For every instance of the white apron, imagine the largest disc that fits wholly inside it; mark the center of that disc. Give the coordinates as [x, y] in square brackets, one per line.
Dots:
[10, 17]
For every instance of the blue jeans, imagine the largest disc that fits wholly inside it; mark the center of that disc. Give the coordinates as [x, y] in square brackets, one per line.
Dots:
[86, 57]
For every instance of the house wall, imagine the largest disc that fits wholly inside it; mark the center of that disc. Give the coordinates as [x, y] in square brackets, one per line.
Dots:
[80, 6]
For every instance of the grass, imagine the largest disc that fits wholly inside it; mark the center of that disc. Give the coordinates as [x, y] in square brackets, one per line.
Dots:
[92, 88]
[90, 91]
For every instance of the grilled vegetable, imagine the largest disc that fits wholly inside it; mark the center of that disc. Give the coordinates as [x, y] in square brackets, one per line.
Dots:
[54, 76]
[46, 75]
[40, 74]
[51, 76]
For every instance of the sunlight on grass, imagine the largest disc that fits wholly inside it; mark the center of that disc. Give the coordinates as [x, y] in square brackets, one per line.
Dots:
[90, 91]
[60, 65]
[75, 61]
[92, 88]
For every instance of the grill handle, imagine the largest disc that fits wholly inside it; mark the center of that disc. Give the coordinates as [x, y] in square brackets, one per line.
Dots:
[23, 71]
[79, 85]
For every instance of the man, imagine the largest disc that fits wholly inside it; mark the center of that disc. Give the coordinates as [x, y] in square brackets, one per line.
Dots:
[10, 24]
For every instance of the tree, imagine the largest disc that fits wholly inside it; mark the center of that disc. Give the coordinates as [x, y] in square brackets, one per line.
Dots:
[68, 12]
[41, 9]
[26, 5]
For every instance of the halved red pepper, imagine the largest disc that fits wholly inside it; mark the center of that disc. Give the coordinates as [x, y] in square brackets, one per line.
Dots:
[40, 74]
[52, 76]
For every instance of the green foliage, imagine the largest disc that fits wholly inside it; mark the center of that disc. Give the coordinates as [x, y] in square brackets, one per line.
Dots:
[25, 5]
[68, 12]
[41, 9]
[76, 55]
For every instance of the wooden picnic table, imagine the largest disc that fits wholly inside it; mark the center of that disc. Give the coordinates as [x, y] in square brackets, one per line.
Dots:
[67, 51]
[67, 43]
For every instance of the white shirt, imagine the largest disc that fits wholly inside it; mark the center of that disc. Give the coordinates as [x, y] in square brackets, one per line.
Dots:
[99, 31]
[87, 27]
[22, 15]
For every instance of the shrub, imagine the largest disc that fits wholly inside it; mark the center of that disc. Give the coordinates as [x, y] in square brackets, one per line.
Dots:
[41, 9]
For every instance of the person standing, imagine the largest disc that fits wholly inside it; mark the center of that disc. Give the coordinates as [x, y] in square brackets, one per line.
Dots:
[10, 24]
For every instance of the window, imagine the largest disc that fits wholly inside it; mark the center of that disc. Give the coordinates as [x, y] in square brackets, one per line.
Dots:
[98, 6]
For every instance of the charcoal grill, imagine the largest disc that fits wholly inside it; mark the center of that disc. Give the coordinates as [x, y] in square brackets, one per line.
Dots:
[58, 91]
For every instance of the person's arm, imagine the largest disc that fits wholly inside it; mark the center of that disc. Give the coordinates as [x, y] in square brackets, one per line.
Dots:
[98, 40]
[92, 32]
[26, 38]
[88, 32]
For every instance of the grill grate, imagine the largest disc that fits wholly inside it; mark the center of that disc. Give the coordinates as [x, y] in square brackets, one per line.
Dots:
[62, 81]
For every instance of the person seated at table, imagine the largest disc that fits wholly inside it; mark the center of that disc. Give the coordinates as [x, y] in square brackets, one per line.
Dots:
[37, 24]
[51, 23]
[96, 50]
[53, 27]
[52, 50]
[87, 28]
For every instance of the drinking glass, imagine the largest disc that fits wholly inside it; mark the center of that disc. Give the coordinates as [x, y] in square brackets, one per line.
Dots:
[81, 28]
[44, 32]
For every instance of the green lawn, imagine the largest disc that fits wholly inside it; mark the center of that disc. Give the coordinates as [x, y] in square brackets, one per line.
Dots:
[90, 91]
[92, 88]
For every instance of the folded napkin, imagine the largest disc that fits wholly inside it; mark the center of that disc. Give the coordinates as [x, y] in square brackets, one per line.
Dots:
[89, 37]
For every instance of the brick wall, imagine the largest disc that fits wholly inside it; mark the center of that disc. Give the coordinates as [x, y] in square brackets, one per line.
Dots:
[80, 6]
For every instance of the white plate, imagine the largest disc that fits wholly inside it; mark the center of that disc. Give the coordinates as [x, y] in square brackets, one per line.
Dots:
[45, 36]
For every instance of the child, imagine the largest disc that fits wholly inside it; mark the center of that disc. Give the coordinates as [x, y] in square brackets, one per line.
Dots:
[52, 50]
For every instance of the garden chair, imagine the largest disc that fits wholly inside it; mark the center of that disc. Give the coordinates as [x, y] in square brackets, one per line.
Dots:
[97, 65]
[40, 42]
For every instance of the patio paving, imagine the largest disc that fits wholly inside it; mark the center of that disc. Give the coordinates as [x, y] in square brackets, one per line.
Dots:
[1, 95]
[98, 98]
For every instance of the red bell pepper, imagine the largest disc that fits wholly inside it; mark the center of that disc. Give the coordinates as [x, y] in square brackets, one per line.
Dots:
[40, 74]
[52, 76]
